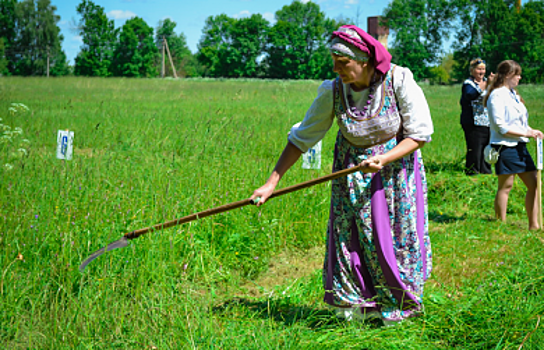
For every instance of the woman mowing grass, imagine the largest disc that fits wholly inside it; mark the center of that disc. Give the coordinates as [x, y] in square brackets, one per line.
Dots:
[378, 252]
[510, 133]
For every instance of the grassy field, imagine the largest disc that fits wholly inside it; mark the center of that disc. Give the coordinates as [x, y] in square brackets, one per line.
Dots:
[148, 151]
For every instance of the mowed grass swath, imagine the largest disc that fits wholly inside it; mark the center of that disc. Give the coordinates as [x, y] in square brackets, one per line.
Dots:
[149, 151]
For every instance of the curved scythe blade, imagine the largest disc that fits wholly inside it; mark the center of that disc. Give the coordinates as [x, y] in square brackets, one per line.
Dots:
[121, 243]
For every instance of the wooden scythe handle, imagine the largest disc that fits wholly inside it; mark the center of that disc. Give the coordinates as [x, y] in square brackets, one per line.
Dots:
[242, 203]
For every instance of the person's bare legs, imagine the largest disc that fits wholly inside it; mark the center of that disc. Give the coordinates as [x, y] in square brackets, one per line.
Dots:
[501, 198]
[531, 206]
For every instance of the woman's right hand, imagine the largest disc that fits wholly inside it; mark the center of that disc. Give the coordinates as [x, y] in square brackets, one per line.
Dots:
[536, 134]
[263, 193]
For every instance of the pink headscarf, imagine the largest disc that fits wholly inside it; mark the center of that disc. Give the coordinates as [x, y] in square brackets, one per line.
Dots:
[366, 43]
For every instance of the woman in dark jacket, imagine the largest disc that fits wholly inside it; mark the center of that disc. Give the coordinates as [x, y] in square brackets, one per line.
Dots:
[474, 119]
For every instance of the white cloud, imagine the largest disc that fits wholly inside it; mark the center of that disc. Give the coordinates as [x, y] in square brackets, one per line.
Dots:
[242, 14]
[77, 39]
[120, 14]
[270, 17]
[304, 1]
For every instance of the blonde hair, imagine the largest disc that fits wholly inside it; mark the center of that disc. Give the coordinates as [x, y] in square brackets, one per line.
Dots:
[475, 63]
[505, 69]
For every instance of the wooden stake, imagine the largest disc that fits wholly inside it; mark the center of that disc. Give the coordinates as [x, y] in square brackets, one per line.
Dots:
[170, 58]
[539, 162]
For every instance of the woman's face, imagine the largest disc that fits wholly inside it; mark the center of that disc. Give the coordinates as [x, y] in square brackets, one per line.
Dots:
[478, 72]
[350, 71]
[512, 80]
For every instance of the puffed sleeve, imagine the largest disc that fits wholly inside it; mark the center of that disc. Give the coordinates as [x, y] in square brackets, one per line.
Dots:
[496, 107]
[416, 116]
[318, 119]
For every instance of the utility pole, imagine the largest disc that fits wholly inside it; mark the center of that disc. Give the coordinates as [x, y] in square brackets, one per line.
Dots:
[170, 58]
[162, 67]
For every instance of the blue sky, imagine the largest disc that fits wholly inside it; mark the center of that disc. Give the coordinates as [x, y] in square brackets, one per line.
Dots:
[190, 15]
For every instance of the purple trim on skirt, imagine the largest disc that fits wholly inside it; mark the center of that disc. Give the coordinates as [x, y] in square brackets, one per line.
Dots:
[359, 266]
[383, 241]
[329, 299]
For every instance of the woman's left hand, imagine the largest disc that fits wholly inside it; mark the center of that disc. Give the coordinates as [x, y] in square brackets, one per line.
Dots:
[373, 164]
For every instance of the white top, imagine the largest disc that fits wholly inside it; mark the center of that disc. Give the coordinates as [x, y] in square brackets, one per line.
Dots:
[507, 113]
[414, 110]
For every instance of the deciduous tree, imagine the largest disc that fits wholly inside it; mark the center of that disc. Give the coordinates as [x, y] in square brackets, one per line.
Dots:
[7, 34]
[419, 29]
[297, 42]
[497, 30]
[99, 36]
[232, 47]
[37, 37]
[135, 53]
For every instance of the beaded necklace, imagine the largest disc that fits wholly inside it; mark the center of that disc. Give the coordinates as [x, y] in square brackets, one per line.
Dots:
[355, 112]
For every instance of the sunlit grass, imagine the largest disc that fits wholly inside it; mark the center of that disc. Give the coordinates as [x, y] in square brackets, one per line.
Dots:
[148, 151]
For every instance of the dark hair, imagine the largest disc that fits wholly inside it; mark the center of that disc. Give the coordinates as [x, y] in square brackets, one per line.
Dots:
[505, 69]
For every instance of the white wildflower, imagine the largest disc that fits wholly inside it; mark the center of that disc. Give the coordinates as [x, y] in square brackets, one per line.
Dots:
[8, 166]
[25, 141]
[12, 110]
[22, 150]
[18, 130]
[20, 106]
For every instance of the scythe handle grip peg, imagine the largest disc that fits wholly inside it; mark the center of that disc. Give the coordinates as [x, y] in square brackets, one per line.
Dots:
[135, 234]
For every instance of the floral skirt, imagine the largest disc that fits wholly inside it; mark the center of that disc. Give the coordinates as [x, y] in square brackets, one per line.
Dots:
[378, 249]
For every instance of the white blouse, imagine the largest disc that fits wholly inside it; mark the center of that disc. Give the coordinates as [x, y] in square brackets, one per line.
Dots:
[507, 113]
[414, 110]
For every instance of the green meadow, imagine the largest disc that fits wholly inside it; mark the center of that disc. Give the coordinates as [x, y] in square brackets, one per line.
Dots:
[147, 151]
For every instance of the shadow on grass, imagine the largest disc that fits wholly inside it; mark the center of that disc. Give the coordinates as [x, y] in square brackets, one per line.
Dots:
[444, 218]
[287, 313]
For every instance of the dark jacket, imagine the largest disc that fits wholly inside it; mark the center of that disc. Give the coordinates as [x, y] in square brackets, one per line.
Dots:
[468, 94]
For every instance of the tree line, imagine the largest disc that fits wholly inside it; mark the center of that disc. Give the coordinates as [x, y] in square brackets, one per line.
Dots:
[294, 47]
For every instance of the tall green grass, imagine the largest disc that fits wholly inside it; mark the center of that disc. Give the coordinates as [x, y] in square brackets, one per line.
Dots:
[148, 151]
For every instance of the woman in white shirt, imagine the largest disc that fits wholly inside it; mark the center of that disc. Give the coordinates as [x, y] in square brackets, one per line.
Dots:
[510, 133]
[378, 252]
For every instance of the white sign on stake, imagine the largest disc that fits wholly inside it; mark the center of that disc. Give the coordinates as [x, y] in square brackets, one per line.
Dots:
[539, 155]
[65, 144]
[312, 158]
